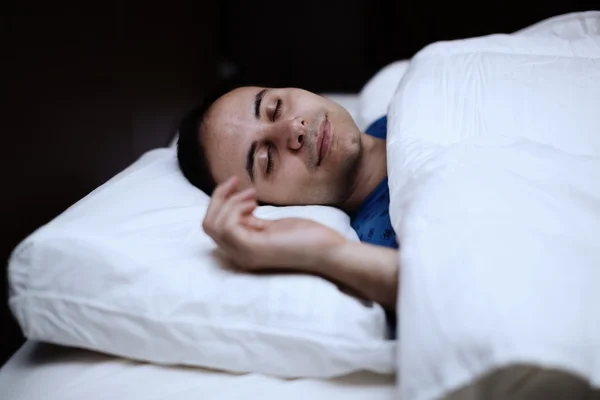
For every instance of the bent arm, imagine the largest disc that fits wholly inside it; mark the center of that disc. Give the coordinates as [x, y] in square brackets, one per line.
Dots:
[371, 271]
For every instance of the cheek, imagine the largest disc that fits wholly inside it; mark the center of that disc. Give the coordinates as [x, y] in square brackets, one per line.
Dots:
[225, 170]
[293, 174]
[346, 142]
[221, 172]
[345, 130]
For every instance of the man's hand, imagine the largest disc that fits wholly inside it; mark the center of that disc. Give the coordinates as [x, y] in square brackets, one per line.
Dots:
[253, 243]
[300, 245]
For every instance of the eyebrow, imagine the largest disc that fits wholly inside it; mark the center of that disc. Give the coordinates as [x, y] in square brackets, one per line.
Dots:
[250, 160]
[257, 101]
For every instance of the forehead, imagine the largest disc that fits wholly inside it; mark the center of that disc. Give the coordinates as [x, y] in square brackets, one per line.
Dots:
[228, 130]
[231, 117]
[237, 105]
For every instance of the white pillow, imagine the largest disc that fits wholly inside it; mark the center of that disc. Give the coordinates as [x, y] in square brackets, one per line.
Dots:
[376, 95]
[128, 271]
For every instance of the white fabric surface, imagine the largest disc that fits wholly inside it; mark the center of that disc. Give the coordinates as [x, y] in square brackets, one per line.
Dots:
[129, 271]
[494, 174]
[375, 97]
[44, 372]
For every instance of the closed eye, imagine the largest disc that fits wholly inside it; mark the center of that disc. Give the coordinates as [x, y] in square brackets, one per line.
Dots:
[276, 111]
[269, 159]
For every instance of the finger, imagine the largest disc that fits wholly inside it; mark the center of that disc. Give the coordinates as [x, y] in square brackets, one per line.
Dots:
[231, 204]
[244, 195]
[220, 194]
[254, 223]
[247, 207]
[235, 232]
[225, 189]
[235, 212]
[249, 219]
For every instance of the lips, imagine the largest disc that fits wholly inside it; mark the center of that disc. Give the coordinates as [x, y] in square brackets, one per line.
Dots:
[323, 139]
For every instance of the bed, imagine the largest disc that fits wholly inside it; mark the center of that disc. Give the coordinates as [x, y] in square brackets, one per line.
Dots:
[42, 371]
[448, 274]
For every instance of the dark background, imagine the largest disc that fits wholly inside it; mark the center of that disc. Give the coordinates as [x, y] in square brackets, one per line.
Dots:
[87, 91]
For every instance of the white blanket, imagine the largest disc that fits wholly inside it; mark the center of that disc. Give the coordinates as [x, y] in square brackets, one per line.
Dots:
[494, 171]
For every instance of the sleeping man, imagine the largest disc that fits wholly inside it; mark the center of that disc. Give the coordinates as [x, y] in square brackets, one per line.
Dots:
[254, 145]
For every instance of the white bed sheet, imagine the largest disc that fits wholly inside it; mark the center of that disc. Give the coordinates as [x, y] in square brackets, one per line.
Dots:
[41, 371]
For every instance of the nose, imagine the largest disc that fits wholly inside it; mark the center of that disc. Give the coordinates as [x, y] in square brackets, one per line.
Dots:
[293, 132]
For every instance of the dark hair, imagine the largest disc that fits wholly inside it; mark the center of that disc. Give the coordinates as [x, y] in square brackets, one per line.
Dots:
[191, 153]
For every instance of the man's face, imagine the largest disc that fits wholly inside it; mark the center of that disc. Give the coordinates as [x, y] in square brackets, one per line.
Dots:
[293, 146]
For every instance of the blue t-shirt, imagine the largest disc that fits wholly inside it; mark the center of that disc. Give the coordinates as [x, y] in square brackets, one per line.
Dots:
[371, 220]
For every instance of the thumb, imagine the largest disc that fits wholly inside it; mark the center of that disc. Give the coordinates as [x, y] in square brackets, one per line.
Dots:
[255, 223]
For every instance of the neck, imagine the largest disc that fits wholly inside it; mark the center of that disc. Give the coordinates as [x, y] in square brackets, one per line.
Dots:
[371, 170]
